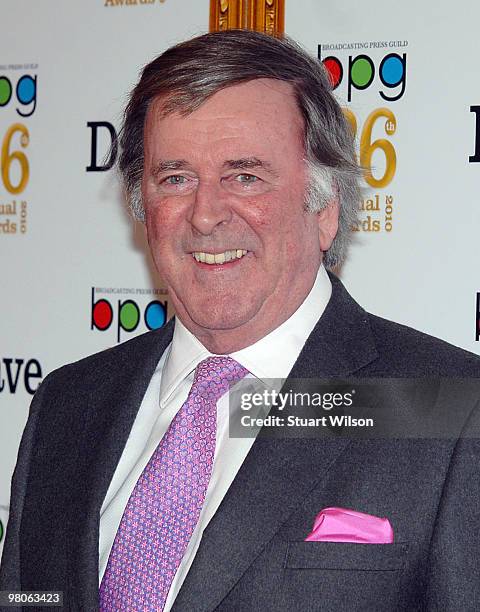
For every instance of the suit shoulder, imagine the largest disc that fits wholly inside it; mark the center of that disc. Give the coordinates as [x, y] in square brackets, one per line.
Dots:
[112, 361]
[409, 352]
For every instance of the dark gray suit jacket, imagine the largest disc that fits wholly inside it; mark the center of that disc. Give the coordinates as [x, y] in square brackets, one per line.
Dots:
[253, 556]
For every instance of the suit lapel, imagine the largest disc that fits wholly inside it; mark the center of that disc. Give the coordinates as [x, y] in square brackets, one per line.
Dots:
[341, 343]
[109, 416]
[277, 474]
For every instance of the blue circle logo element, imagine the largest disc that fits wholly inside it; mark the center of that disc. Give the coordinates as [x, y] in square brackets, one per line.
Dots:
[26, 87]
[391, 70]
[155, 315]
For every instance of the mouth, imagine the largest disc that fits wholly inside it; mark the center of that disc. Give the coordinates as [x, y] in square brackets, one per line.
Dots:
[215, 259]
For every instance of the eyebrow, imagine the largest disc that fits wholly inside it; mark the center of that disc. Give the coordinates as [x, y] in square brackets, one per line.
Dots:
[243, 163]
[167, 165]
[249, 163]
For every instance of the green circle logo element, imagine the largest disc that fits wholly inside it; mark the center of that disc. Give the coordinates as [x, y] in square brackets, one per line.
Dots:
[362, 72]
[129, 315]
[5, 91]
[1, 531]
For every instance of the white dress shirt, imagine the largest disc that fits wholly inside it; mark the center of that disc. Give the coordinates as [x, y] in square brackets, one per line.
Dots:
[272, 357]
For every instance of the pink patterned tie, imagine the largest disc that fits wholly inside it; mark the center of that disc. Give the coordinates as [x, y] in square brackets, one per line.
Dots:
[165, 504]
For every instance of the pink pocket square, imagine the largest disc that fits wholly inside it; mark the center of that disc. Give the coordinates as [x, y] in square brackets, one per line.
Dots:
[343, 525]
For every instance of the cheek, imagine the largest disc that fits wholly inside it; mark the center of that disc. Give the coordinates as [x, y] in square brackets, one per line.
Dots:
[271, 215]
[258, 212]
[292, 249]
[160, 221]
[153, 230]
[301, 238]
[278, 220]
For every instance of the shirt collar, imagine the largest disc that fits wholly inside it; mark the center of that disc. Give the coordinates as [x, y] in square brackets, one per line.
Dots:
[283, 343]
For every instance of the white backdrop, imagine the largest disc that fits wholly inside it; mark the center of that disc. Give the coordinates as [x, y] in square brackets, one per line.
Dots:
[423, 272]
[75, 245]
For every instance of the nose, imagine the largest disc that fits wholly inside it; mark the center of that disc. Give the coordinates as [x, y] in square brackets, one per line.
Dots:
[210, 208]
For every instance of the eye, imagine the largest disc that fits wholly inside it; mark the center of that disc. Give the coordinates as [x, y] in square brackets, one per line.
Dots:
[247, 179]
[246, 184]
[175, 179]
[176, 184]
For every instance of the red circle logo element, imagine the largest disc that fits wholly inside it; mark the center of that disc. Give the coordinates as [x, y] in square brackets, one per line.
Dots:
[334, 69]
[102, 314]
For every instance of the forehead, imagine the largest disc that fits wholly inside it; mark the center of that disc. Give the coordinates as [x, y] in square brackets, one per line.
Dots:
[261, 113]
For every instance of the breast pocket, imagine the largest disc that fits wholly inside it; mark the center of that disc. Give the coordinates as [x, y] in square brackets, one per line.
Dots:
[343, 576]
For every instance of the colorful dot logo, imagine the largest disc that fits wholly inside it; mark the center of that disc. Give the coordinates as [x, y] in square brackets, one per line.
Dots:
[2, 531]
[392, 72]
[155, 315]
[5, 91]
[362, 71]
[129, 315]
[25, 91]
[102, 315]
[334, 70]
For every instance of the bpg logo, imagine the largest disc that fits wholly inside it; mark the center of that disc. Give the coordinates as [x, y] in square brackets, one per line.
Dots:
[361, 71]
[128, 315]
[25, 92]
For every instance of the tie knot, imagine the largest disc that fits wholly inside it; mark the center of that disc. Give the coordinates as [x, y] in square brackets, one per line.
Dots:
[214, 375]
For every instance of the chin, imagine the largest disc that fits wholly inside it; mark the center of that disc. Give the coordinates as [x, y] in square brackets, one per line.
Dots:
[221, 321]
[224, 316]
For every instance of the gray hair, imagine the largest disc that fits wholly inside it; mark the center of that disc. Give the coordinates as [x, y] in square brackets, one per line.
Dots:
[187, 74]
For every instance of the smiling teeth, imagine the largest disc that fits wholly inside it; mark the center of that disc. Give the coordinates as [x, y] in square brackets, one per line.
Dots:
[219, 258]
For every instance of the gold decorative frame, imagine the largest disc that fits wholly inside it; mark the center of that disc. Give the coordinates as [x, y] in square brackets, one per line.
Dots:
[260, 15]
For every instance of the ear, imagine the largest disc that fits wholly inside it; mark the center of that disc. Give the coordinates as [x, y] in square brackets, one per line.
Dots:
[328, 224]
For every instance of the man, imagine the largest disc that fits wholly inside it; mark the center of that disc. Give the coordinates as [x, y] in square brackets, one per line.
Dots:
[239, 160]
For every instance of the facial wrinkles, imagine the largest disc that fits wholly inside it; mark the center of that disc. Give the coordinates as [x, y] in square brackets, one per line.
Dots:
[207, 143]
[261, 288]
[236, 233]
[210, 149]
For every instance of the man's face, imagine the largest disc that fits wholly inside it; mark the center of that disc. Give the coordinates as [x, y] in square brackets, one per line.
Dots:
[224, 191]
